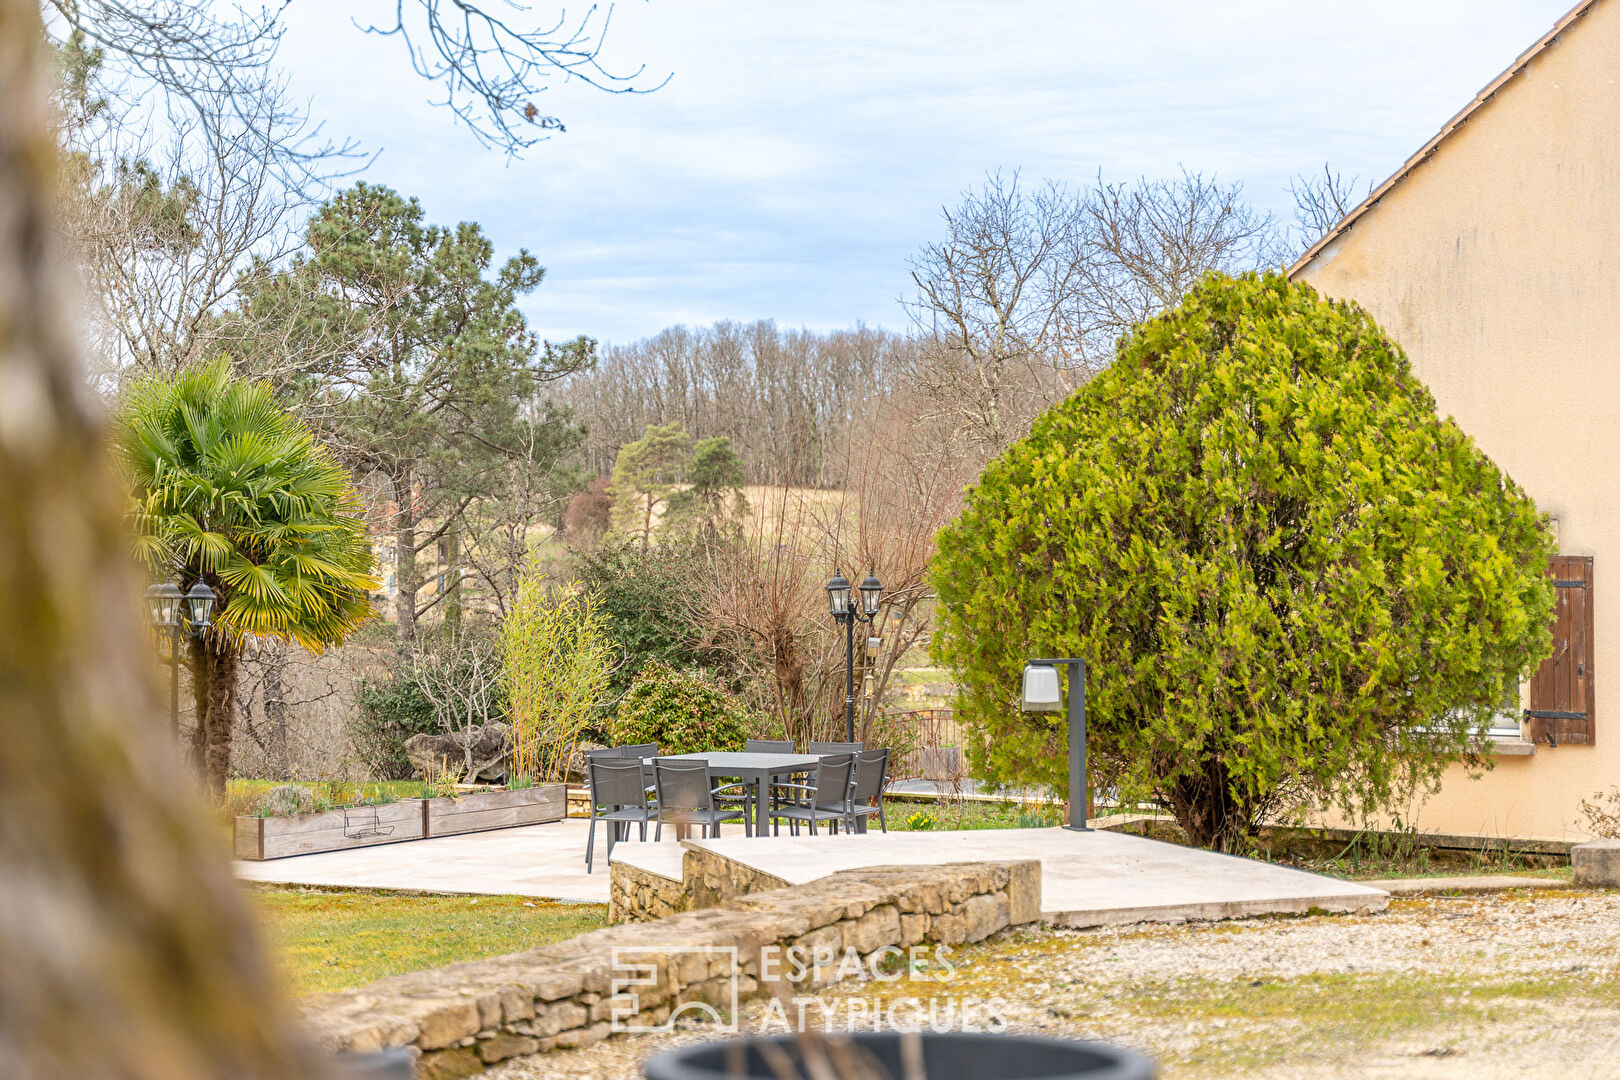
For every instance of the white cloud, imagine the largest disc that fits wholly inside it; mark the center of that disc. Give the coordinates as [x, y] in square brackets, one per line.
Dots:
[800, 153]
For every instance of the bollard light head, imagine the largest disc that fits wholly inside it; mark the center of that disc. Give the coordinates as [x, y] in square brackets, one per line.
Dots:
[1042, 690]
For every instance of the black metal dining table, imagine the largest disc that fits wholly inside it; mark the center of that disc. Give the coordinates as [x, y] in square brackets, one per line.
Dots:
[758, 770]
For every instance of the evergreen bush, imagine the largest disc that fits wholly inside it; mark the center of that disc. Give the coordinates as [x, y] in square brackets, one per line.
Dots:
[1293, 582]
[684, 712]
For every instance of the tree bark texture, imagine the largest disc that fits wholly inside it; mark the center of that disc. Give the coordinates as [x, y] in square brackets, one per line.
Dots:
[125, 949]
[215, 667]
[404, 562]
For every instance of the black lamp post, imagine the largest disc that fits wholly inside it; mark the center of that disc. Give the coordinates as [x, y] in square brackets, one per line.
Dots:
[178, 613]
[843, 611]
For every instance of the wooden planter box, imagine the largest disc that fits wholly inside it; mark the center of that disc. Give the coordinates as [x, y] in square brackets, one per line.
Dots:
[408, 819]
[329, 830]
[496, 810]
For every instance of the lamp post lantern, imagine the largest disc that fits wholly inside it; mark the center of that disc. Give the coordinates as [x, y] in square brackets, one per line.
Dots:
[840, 607]
[163, 602]
[178, 614]
[1043, 692]
[199, 608]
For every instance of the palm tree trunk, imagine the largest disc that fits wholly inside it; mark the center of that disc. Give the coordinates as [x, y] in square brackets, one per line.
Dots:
[125, 949]
[219, 717]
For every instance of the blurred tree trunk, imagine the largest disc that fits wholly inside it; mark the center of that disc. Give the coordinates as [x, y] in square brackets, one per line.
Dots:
[218, 713]
[214, 669]
[125, 951]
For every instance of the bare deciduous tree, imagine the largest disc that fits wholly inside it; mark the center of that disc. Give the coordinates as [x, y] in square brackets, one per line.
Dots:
[763, 603]
[1321, 202]
[294, 711]
[1027, 293]
[489, 65]
[785, 398]
[163, 224]
[996, 303]
[1152, 240]
[529, 488]
[461, 677]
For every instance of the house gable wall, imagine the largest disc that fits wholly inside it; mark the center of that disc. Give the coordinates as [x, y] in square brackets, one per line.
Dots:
[1496, 264]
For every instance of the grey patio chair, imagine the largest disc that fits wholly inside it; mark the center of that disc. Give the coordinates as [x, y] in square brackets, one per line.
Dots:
[822, 748]
[618, 797]
[644, 752]
[685, 798]
[866, 788]
[825, 798]
[770, 746]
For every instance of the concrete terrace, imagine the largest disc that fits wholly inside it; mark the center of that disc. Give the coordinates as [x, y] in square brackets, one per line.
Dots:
[1088, 879]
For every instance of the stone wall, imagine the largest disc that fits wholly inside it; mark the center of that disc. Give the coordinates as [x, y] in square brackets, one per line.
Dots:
[707, 880]
[712, 879]
[465, 1016]
[637, 895]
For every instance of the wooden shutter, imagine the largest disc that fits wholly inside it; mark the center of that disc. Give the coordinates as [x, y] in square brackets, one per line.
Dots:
[1561, 693]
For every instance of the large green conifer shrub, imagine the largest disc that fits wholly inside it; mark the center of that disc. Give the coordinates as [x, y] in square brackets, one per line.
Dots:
[1293, 581]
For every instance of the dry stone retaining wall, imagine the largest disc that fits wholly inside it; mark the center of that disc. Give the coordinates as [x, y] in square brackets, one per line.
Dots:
[707, 880]
[465, 1016]
[637, 895]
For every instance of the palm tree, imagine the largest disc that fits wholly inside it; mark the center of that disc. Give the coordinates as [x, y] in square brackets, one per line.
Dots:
[233, 490]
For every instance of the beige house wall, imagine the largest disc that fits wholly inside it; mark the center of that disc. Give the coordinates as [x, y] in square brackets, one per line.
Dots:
[1496, 264]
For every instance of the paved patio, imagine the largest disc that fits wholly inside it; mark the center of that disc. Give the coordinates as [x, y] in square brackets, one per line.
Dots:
[1088, 879]
[543, 861]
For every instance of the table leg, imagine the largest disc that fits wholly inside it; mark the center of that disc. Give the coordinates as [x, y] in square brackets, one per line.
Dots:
[762, 809]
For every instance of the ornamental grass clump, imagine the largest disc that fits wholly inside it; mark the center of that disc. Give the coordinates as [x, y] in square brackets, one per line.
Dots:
[1293, 582]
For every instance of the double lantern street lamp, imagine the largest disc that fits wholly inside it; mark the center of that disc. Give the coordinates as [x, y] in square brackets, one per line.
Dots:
[178, 613]
[842, 611]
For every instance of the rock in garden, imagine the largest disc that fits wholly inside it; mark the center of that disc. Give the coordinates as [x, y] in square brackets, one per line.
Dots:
[1596, 863]
[578, 773]
[433, 755]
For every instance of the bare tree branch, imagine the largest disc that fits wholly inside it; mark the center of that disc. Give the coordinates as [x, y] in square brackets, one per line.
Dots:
[489, 60]
[1321, 202]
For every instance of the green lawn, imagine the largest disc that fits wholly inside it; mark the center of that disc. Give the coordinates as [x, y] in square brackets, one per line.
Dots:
[910, 816]
[331, 940]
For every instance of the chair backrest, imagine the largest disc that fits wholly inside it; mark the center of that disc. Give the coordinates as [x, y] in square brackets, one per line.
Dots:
[639, 750]
[682, 785]
[768, 746]
[819, 748]
[871, 770]
[832, 781]
[616, 783]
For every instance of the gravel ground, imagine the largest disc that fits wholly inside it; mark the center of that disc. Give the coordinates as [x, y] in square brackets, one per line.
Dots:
[1523, 984]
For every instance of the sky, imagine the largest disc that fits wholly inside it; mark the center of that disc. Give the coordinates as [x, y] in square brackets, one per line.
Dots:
[799, 154]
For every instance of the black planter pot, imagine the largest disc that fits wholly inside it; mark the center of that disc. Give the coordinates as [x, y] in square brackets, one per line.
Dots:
[946, 1056]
